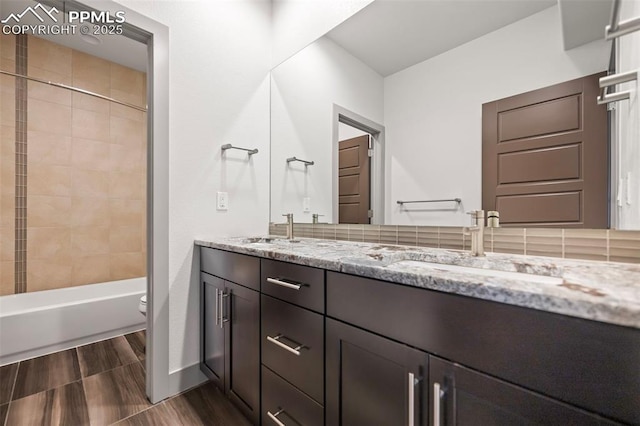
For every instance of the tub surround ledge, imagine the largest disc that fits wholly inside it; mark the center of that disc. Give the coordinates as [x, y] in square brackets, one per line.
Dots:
[600, 291]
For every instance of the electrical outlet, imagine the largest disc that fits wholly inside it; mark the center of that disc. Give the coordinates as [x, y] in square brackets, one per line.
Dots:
[223, 201]
[306, 204]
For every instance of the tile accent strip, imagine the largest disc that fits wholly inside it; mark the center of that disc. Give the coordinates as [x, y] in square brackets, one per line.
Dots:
[585, 244]
[21, 167]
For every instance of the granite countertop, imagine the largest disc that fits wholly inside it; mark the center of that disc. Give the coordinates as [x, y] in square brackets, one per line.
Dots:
[601, 291]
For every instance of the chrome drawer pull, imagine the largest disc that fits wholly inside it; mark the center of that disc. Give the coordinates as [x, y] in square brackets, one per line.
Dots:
[437, 400]
[222, 308]
[276, 341]
[274, 417]
[411, 397]
[284, 283]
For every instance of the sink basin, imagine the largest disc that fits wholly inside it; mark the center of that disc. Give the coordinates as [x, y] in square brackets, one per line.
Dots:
[267, 240]
[519, 276]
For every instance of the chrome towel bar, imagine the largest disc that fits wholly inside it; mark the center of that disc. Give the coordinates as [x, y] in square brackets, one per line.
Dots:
[229, 146]
[457, 200]
[306, 163]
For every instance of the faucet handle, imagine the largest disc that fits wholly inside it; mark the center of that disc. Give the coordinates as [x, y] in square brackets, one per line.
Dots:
[477, 216]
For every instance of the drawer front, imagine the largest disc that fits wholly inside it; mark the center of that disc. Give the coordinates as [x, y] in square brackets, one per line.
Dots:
[290, 406]
[498, 339]
[238, 268]
[285, 328]
[297, 284]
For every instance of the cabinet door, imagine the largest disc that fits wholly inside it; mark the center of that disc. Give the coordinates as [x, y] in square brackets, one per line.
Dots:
[241, 318]
[213, 344]
[372, 380]
[460, 396]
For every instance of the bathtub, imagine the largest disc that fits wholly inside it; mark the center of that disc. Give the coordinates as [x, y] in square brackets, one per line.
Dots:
[38, 323]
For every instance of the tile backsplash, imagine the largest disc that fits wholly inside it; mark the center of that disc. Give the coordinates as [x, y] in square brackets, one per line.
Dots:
[587, 244]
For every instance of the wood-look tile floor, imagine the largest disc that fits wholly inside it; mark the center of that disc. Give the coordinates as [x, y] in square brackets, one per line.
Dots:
[102, 384]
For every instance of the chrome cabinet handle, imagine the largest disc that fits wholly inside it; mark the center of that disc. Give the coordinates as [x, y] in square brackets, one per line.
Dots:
[222, 305]
[412, 386]
[274, 417]
[437, 399]
[217, 308]
[276, 341]
[283, 283]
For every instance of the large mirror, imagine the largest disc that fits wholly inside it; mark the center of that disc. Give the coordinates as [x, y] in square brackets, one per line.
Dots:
[388, 107]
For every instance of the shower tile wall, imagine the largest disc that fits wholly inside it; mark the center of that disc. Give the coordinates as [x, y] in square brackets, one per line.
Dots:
[86, 170]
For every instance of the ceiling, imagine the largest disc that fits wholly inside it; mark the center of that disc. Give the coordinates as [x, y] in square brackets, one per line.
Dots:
[391, 35]
[115, 48]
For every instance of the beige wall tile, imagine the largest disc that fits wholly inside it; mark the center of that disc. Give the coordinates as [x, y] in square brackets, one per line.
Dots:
[48, 211]
[50, 75]
[90, 183]
[508, 240]
[451, 237]
[90, 270]
[428, 236]
[90, 125]
[48, 148]
[47, 274]
[127, 158]
[7, 278]
[90, 103]
[127, 132]
[90, 212]
[7, 244]
[342, 231]
[49, 93]
[544, 242]
[127, 265]
[49, 243]
[125, 239]
[7, 46]
[126, 212]
[128, 85]
[48, 55]
[47, 179]
[624, 246]
[126, 185]
[124, 111]
[7, 101]
[7, 211]
[408, 235]
[7, 175]
[49, 117]
[356, 232]
[90, 154]
[91, 73]
[389, 234]
[590, 244]
[90, 240]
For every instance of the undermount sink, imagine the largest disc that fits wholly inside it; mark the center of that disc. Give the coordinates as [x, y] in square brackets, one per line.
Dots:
[519, 276]
[267, 240]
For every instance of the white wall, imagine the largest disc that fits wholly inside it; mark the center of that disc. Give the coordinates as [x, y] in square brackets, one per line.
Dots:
[219, 93]
[296, 23]
[433, 110]
[347, 132]
[628, 120]
[303, 92]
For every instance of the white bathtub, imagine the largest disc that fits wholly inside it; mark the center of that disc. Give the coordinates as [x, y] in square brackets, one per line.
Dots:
[34, 324]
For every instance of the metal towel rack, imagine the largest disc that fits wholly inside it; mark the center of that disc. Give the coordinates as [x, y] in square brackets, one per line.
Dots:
[229, 146]
[612, 80]
[617, 29]
[457, 200]
[306, 163]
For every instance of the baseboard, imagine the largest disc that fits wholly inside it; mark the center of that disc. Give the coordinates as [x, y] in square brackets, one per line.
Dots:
[186, 378]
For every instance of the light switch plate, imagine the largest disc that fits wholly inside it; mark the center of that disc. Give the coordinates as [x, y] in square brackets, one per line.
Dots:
[306, 204]
[223, 201]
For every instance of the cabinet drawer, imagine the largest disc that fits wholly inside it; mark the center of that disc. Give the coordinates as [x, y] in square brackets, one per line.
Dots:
[238, 268]
[293, 345]
[300, 285]
[286, 403]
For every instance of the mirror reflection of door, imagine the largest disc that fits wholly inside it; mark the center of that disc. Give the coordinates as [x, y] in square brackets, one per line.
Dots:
[354, 176]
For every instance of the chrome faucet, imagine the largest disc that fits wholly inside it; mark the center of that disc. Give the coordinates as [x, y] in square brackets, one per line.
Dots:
[477, 232]
[314, 217]
[289, 224]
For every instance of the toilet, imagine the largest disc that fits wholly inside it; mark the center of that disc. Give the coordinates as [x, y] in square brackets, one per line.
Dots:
[142, 306]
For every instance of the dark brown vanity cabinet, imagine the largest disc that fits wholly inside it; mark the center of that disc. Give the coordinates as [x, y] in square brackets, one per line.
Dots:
[461, 396]
[372, 380]
[231, 328]
[293, 348]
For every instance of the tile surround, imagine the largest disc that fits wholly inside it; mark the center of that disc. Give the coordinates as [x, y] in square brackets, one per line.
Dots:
[587, 244]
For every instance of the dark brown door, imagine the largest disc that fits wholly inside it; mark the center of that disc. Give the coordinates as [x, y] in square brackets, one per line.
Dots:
[354, 180]
[467, 397]
[370, 379]
[545, 157]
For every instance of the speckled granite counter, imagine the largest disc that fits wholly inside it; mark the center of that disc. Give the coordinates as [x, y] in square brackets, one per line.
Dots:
[600, 291]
